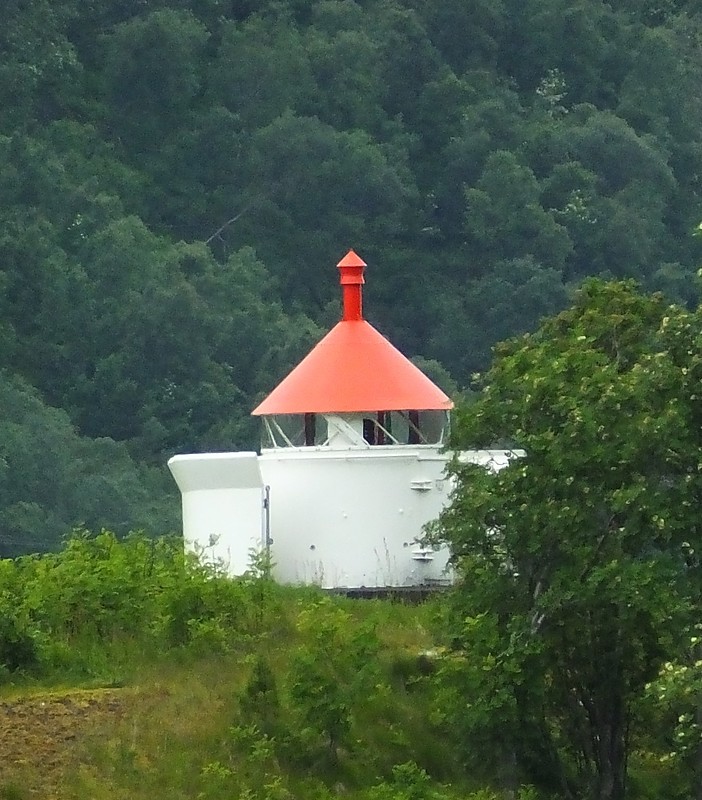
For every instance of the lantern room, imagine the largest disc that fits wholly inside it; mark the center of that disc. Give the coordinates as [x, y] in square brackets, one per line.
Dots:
[354, 389]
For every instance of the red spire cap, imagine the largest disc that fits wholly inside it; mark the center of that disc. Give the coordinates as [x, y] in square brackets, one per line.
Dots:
[354, 368]
[351, 279]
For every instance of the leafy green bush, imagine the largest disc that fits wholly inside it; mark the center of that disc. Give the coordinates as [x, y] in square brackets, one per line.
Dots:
[260, 701]
[334, 675]
[18, 639]
[18, 650]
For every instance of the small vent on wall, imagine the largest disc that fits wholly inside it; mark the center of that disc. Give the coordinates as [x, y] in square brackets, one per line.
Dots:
[422, 485]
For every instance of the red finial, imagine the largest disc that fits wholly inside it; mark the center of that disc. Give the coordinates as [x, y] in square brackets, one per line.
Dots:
[351, 279]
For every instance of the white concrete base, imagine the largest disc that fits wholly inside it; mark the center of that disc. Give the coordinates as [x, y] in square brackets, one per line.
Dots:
[338, 518]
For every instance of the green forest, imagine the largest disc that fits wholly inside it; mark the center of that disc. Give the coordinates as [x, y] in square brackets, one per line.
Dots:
[178, 180]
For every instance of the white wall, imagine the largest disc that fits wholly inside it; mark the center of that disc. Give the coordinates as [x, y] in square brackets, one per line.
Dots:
[222, 499]
[351, 518]
[338, 518]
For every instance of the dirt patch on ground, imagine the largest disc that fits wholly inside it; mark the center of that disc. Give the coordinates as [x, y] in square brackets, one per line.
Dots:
[41, 738]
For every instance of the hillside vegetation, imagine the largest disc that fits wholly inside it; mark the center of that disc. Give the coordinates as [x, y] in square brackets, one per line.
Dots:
[131, 671]
[178, 180]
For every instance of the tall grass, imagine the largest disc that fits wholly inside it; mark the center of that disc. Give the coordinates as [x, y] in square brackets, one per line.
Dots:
[223, 688]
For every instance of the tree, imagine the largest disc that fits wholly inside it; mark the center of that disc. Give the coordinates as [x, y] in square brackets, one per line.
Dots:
[332, 676]
[504, 218]
[52, 480]
[577, 581]
[453, 23]
[39, 70]
[261, 70]
[511, 299]
[317, 187]
[152, 71]
[583, 40]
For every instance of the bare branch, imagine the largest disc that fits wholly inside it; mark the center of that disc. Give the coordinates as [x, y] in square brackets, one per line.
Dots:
[218, 233]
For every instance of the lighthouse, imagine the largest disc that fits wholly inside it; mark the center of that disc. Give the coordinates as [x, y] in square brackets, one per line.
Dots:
[351, 469]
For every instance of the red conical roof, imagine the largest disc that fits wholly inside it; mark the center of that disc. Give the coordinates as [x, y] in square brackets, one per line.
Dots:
[354, 368]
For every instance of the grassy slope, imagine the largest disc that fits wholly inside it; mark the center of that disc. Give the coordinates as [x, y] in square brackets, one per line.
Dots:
[177, 729]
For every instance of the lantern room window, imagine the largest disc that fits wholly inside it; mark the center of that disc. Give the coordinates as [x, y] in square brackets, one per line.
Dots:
[373, 429]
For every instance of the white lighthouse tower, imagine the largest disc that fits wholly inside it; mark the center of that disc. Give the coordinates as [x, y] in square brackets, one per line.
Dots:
[351, 469]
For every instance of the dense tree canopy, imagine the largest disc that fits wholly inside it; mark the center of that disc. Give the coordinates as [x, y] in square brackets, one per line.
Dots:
[53, 480]
[177, 180]
[579, 563]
